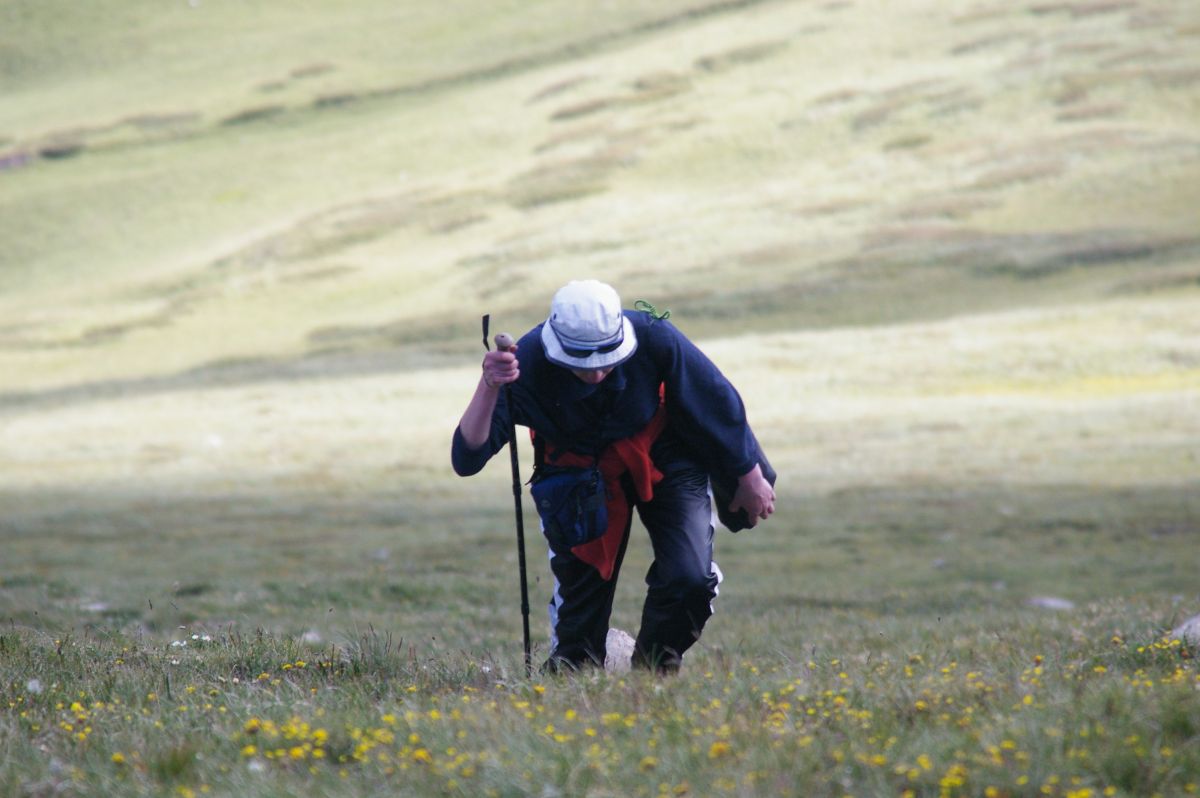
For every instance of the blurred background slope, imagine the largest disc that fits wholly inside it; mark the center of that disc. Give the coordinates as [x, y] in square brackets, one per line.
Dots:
[244, 246]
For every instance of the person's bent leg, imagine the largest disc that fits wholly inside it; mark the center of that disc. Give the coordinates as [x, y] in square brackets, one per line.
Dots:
[682, 581]
[579, 612]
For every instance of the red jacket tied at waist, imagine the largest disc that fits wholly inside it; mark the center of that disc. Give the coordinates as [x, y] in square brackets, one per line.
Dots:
[628, 456]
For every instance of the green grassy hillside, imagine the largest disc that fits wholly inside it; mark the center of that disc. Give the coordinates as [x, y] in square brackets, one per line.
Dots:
[934, 245]
[949, 252]
[778, 165]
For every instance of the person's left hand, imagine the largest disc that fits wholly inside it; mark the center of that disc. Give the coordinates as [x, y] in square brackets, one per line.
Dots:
[754, 495]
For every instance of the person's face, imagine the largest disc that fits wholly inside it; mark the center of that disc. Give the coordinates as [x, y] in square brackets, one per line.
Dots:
[592, 376]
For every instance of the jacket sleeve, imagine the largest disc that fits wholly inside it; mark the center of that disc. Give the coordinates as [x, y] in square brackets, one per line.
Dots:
[711, 416]
[703, 405]
[467, 461]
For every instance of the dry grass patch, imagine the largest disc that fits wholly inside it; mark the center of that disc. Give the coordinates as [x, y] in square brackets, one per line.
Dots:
[647, 89]
[1020, 173]
[558, 87]
[911, 141]
[986, 43]
[585, 108]
[956, 206]
[1091, 8]
[312, 70]
[1084, 113]
[738, 56]
[163, 122]
[259, 113]
[579, 135]
[1186, 276]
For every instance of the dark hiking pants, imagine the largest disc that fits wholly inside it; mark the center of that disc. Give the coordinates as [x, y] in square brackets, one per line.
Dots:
[681, 582]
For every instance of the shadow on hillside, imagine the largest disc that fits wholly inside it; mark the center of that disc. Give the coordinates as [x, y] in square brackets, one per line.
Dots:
[938, 518]
[154, 559]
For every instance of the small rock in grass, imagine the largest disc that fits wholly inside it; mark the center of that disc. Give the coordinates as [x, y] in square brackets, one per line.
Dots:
[1052, 603]
[1188, 631]
[620, 651]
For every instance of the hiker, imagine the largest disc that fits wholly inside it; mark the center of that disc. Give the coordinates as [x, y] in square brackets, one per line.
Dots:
[625, 412]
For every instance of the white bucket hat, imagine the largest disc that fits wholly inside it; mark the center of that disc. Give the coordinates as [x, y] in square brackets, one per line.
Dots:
[586, 328]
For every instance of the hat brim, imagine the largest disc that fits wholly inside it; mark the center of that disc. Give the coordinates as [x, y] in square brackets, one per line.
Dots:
[596, 360]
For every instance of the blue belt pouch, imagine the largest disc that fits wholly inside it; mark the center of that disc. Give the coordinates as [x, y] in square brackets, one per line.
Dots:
[570, 502]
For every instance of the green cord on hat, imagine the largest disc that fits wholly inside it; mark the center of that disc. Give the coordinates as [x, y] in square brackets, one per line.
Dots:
[646, 307]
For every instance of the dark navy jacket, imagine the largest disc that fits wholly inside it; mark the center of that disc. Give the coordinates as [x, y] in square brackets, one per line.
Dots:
[704, 410]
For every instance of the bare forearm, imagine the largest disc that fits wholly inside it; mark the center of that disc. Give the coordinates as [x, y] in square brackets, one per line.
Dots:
[476, 422]
[499, 368]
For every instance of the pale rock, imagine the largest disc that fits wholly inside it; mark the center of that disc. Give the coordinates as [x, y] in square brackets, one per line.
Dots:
[1188, 631]
[620, 651]
[1052, 603]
